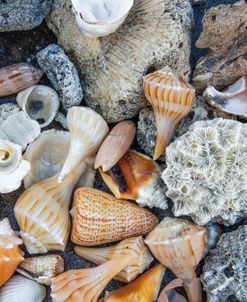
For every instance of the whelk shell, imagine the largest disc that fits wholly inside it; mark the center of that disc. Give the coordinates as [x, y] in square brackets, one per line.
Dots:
[10, 253]
[179, 245]
[99, 218]
[115, 145]
[135, 246]
[17, 77]
[100, 18]
[142, 176]
[12, 166]
[171, 98]
[87, 129]
[40, 103]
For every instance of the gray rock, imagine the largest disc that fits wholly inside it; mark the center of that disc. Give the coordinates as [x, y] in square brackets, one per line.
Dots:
[62, 73]
[6, 110]
[24, 14]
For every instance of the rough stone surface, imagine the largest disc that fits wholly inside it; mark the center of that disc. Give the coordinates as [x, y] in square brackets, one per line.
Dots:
[155, 33]
[62, 73]
[224, 275]
[23, 15]
[6, 110]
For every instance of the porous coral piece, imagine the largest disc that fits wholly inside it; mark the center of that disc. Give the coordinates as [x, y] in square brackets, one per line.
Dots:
[224, 272]
[206, 172]
[155, 33]
[224, 33]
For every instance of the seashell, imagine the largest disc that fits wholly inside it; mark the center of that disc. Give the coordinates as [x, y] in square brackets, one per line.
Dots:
[6, 110]
[135, 245]
[42, 213]
[17, 77]
[10, 253]
[42, 268]
[12, 166]
[179, 245]
[172, 99]
[100, 18]
[99, 218]
[142, 176]
[19, 129]
[232, 100]
[115, 145]
[165, 293]
[19, 289]
[144, 289]
[40, 103]
[87, 129]
[86, 284]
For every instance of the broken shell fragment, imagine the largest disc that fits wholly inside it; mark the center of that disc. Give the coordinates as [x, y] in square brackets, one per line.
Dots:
[12, 166]
[17, 77]
[100, 218]
[165, 293]
[179, 245]
[115, 145]
[171, 98]
[142, 176]
[87, 129]
[100, 18]
[135, 245]
[40, 103]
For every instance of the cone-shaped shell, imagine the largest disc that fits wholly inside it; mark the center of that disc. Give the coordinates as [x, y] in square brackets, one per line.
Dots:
[172, 99]
[99, 218]
[42, 213]
[135, 246]
[85, 285]
[144, 289]
[10, 253]
[179, 245]
[87, 129]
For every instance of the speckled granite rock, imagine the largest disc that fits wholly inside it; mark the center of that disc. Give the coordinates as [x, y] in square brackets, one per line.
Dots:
[6, 110]
[224, 275]
[24, 14]
[62, 73]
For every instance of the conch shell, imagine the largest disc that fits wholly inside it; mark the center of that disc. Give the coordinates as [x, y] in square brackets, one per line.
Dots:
[99, 218]
[87, 129]
[115, 145]
[172, 99]
[86, 284]
[10, 253]
[144, 289]
[40, 103]
[142, 176]
[17, 77]
[42, 213]
[100, 18]
[179, 245]
[12, 166]
[134, 245]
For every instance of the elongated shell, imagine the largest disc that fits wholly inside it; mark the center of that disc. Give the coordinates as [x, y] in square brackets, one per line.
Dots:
[100, 18]
[171, 98]
[42, 213]
[40, 103]
[144, 289]
[10, 253]
[17, 77]
[21, 289]
[87, 129]
[135, 246]
[115, 145]
[12, 166]
[99, 218]
[179, 245]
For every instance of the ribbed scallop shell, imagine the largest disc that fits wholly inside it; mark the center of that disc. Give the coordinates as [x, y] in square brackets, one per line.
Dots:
[99, 218]
[172, 99]
[135, 246]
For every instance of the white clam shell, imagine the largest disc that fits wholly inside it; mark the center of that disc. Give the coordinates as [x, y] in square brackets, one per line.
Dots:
[21, 289]
[12, 166]
[39, 103]
[100, 18]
